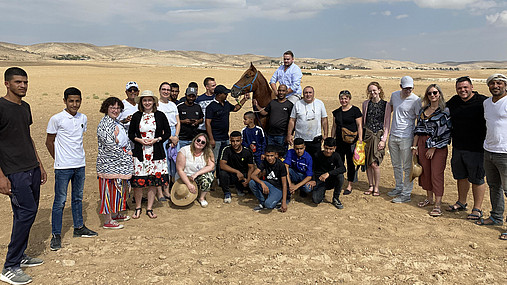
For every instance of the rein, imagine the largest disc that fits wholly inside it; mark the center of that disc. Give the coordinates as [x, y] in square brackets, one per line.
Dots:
[250, 84]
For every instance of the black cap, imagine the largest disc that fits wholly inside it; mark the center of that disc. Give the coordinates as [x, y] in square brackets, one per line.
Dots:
[220, 89]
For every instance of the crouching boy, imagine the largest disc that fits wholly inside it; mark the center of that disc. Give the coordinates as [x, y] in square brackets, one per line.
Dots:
[328, 172]
[299, 165]
[270, 191]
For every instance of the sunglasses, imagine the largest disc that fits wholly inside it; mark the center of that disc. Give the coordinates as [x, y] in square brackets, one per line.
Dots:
[133, 90]
[434, 93]
[200, 141]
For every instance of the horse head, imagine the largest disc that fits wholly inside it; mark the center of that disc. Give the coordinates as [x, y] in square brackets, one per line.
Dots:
[246, 83]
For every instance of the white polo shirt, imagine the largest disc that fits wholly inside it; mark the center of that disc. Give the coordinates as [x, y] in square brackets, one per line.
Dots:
[69, 151]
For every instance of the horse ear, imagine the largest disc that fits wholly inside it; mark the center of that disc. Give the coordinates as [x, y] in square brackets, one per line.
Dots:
[252, 66]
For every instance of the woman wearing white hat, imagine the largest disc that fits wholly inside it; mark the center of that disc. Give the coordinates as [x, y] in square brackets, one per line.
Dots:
[148, 130]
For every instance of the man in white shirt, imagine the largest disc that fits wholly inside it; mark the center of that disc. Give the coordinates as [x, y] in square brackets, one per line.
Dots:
[132, 91]
[64, 142]
[495, 148]
[406, 106]
[309, 117]
[289, 74]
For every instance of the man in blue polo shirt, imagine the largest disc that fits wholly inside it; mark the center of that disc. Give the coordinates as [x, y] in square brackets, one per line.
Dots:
[299, 165]
[217, 119]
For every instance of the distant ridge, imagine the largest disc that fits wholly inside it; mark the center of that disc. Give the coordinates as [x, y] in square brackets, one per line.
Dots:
[120, 53]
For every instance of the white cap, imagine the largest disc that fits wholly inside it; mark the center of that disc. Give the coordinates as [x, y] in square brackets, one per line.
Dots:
[131, 84]
[407, 81]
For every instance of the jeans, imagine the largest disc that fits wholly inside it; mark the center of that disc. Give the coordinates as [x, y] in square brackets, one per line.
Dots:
[296, 177]
[171, 164]
[274, 196]
[319, 190]
[495, 165]
[217, 151]
[62, 178]
[278, 141]
[183, 143]
[25, 188]
[401, 158]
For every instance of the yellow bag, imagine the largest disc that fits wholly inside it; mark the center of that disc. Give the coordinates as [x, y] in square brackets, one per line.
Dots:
[359, 155]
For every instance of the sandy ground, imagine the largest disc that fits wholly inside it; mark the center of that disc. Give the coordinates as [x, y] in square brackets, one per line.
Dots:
[370, 241]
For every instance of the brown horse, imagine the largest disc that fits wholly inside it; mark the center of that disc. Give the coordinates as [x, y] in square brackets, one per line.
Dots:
[252, 80]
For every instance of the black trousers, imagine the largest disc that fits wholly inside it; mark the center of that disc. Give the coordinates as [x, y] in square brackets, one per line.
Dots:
[227, 179]
[25, 188]
[332, 182]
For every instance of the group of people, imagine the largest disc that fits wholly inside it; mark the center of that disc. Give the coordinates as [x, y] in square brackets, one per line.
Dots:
[176, 148]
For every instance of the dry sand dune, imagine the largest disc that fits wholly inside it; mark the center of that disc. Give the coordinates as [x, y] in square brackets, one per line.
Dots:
[370, 241]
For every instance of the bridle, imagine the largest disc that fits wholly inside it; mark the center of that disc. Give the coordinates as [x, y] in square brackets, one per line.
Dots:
[246, 86]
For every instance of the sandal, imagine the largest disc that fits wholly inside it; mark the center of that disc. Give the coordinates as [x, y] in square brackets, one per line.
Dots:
[488, 222]
[150, 214]
[503, 236]
[458, 206]
[376, 193]
[347, 192]
[436, 212]
[137, 213]
[475, 217]
[424, 203]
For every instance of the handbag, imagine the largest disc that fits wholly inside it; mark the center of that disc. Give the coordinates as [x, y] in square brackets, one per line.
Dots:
[348, 136]
[359, 157]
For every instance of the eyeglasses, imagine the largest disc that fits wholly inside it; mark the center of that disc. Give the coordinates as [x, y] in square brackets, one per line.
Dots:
[114, 108]
[132, 90]
[345, 92]
[200, 141]
[434, 93]
[408, 88]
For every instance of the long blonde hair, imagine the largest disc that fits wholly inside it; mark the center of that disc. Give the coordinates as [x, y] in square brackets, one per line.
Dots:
[441, 101]
[207, 151]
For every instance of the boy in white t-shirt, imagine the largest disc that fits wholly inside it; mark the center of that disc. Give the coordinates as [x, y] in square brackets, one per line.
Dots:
[64, 142]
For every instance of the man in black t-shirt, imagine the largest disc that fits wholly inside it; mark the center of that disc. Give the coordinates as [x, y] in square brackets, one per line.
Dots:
[468, 134]
[328, 172]
[274, 188]
[21, 173]
[279, 114]
[236, 167]
[190, 117]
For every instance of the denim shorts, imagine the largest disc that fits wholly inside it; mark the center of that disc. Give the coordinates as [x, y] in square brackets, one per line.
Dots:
[468, 164]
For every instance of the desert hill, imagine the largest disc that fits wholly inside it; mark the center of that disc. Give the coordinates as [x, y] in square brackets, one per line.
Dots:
[120, 53]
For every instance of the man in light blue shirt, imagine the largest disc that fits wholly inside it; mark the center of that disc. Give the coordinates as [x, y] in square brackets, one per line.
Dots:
[290, 75]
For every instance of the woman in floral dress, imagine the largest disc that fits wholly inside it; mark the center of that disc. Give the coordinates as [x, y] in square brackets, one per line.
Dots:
[148, 130]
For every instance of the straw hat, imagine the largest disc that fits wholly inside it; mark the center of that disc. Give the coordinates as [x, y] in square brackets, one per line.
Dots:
[146, 93]
[416, 169]
[180, 195]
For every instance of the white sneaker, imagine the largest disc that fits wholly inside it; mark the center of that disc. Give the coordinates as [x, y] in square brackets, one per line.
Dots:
[203, 203]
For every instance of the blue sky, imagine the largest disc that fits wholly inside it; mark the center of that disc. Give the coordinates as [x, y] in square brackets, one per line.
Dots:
[417, 30]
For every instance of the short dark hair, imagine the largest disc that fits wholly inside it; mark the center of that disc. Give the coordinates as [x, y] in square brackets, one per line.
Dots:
[331, 142]
[235, 134]
[193, 84]
[12, 71]
[71, 91]
[175, 85]
[162, 84]
[271, 148]
[289, 52]
[250, 115]
[299, 141]
[111, 101]
[463, 79]
[208, 79]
